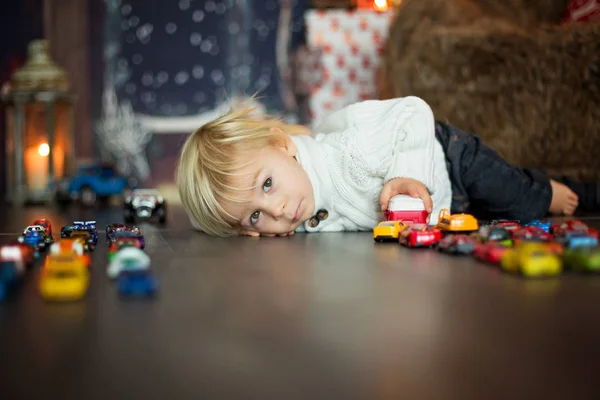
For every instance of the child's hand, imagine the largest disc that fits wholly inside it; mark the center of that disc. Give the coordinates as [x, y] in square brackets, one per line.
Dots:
[257, 234]
[407, 186]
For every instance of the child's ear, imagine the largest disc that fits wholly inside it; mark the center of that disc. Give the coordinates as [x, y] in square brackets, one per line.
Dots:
[287, 144]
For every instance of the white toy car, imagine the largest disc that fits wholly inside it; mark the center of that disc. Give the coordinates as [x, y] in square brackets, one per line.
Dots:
[407, 209]
[128, 259]
[146, 204]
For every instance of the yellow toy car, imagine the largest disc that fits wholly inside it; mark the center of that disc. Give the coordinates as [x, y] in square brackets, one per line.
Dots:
[388, 230]
[456, 222]
[64, 278]
[532, 260]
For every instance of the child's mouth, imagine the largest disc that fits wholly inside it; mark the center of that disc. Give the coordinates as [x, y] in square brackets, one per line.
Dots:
[298, 213]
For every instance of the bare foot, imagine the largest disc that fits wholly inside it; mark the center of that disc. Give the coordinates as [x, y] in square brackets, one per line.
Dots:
[564, 200]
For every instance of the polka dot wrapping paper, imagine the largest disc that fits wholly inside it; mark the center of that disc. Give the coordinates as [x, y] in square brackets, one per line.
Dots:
[337, 66]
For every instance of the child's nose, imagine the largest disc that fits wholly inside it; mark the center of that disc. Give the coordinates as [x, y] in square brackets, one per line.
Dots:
[278, 209]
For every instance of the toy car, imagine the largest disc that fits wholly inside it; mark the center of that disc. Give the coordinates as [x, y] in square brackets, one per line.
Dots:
[64, 278]
[508, 224]
[35, 239]
[119, 235]
[80, 226]
[420, 235]
[457, 244]
[92, 182]
[489, 233]
[406, 209]
[10, 272]
[128, 259]
[120, 227]
[531, 233]
[531, 259]
[86, 238]
[456, 222]
[136, 283]
[88, 226]
[121, 244]
[572, 240]
[44, 223]
[38, 228]
[18, 252]
[583, 259]
[71, 245]
[542, 224]
[388, 230]
[490, 252]
[572, 226]
[145, 204]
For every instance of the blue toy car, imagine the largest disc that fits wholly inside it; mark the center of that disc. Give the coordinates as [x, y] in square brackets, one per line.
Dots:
[542, 224]
[35, 239]
[92, 182]
[78, 226]
[136, 283]
[573, 240]
[10, 273]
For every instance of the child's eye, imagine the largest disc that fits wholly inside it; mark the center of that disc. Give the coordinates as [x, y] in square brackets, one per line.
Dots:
[254, 217]
[267, 185]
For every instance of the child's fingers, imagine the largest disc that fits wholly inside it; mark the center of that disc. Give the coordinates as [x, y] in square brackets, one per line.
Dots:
[424, 195]
[386, 194]
[249, 233]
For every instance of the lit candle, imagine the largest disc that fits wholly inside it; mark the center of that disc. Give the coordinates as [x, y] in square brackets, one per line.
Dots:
[36, 167]
[380, 5]
[377, 5]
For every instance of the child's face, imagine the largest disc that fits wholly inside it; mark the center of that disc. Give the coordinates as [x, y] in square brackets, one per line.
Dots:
[282, 195]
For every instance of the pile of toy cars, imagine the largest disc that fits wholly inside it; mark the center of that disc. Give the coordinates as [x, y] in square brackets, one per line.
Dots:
[66, 269]
[536, 249]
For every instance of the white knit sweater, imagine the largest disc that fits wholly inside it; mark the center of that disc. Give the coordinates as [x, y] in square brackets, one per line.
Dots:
[360, 147]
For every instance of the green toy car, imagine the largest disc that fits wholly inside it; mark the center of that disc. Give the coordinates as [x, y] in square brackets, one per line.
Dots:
[583, 259]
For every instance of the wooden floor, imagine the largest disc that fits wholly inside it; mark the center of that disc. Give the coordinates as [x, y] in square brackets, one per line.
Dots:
[314, 316]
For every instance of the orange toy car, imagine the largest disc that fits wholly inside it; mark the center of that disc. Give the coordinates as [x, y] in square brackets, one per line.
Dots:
[69, 246]
[456, 222]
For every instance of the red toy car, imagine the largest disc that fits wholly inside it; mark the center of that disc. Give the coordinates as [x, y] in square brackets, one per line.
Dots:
[458, 244]
[531, 233]
[509, 225]
[407, 209]
[43, 222]
[420, 235]
[572, 226]
[490, 252]
[19, 252]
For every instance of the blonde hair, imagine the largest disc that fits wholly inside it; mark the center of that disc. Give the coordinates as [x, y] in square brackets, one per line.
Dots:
[212, 156]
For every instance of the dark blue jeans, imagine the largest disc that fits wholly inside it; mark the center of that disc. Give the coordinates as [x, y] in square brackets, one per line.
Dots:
[485, 185]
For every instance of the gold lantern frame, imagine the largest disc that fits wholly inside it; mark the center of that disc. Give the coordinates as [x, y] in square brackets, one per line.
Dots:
[39, 84]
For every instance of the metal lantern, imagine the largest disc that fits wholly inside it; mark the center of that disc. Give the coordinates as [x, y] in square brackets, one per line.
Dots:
[39, 143]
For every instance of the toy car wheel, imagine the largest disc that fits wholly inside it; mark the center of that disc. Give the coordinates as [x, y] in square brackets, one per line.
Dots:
[87, 196]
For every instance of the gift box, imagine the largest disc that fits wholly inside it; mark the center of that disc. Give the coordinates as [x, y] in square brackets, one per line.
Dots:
[582, 11]
[338, 63]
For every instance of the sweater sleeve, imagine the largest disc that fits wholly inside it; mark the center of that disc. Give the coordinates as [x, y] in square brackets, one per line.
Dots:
[334, 122]
[396, 138]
